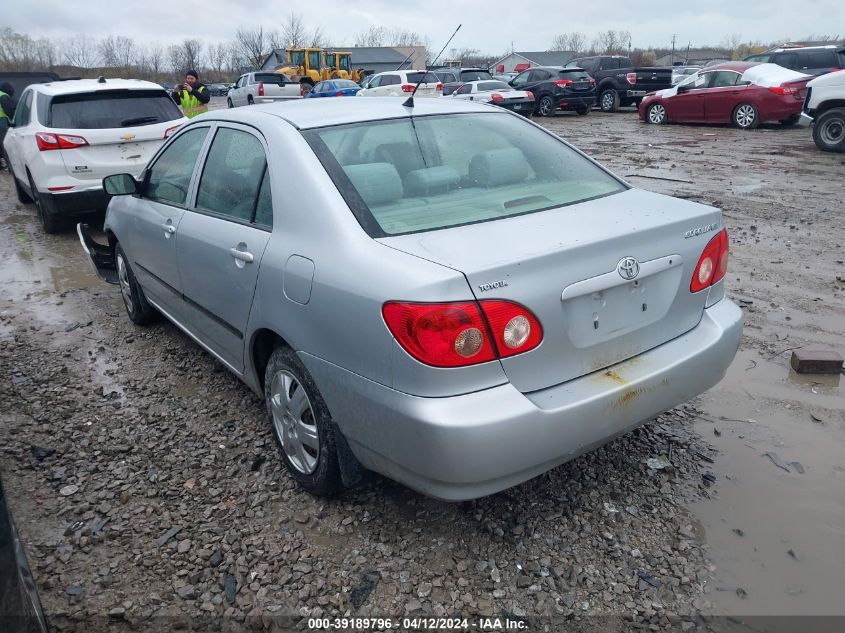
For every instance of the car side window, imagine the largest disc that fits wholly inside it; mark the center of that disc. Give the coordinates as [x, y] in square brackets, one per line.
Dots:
[389, 80]
[170, 175]
[232, 174]
[521, 79]
[22, 113]
[787, 60]
[374, 83]
[465, 89]
[723, 79]
[264, 205]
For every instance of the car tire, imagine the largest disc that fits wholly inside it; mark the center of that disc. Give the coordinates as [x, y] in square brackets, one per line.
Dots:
[23, 196]
[583, 110]
[546, 106]
[609, 100]
[829, 130]
[49, 222]
[301, 424]
[745, 116]
[656, 114]
[139, 311]
[249, 100]
[229, 103]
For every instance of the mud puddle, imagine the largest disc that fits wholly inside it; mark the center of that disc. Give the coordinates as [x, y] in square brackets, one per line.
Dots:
[775, 532]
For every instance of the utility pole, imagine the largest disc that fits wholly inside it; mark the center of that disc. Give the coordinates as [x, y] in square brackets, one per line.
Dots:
[673, 49]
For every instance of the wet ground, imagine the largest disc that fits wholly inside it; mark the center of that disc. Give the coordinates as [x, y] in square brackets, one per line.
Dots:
[150, 435]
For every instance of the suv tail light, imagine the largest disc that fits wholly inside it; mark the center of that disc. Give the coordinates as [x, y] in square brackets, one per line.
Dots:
[631, 77]
[261, 89]
[713, 263]
[592, 81]
[169, 131]
[563, 82]
[464, 333]
[439, 87]
[47, 141]
[496, 98]
[530, 95]
[407, 88]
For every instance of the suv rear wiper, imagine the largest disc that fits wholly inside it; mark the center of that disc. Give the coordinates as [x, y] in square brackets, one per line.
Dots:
[139, 120]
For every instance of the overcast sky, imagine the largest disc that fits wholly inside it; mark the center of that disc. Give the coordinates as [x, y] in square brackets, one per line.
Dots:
[490, 26]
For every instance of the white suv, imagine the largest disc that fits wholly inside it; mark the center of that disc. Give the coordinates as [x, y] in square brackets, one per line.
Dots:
[68, 135]
[401, 83]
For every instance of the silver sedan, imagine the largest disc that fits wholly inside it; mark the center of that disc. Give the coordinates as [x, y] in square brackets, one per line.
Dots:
[445, 293]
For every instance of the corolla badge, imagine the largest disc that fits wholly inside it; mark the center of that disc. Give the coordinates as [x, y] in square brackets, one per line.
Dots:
[700, 230]
[628, 268]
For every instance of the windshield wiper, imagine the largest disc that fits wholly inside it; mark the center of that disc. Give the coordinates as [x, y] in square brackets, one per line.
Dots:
[139, 121]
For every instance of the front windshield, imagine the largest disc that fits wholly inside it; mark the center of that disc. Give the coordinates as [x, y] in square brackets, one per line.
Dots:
[432, 172]
[693, 78]
[345, 62]
[297, 58]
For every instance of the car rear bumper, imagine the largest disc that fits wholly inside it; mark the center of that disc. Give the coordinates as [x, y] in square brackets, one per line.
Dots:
[73, 203]
[472, 445]
[805, 120]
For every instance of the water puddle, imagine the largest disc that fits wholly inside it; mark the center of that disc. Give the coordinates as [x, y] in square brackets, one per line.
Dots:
[776, 520]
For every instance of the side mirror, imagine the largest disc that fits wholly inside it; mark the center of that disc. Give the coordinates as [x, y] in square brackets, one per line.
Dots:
[683, 88]
[120, 185]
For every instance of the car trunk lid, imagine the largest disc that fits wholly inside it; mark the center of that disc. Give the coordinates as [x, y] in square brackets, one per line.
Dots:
[563, 265]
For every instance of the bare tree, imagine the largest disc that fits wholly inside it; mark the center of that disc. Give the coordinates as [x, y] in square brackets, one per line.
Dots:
[108, 52]
[374, 36]
[80, 51]
[574, 41]
[176, 59]
[612, 42]
[218, 55]
[126, 52]
[294, 33]
[317, 39]
[155, 59]
[192, 51]
[252, 45]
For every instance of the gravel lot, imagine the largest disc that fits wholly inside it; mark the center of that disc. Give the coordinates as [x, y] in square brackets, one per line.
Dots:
[144, 478]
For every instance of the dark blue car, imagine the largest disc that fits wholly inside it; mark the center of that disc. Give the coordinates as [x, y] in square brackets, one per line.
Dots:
[334, 88]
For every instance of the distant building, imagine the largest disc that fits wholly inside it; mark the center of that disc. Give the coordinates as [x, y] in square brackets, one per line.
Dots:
[519, 61]
[373, 58]
[693, 57]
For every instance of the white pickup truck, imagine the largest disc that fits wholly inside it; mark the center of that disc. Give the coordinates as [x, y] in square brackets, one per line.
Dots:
[265, 87]
[824, 109]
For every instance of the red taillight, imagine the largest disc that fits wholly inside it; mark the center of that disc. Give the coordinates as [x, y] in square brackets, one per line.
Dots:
[563, 82]
[496, 98]
[439, 87]
[529, 95]
[713, 263]
[458, 334]
[632, 78]
[169, 131]
[339, 93]
[301, 90]
[407, 88]
[784, 90]
[261, 90]
[47, 141]
[592, 81]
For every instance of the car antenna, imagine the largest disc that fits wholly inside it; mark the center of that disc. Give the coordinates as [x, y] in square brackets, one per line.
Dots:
[409, 102]
[407, 59]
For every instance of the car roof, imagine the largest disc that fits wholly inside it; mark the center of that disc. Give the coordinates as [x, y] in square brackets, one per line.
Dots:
[739, 67]
[822, 47]
[75, 86]
[312, 113]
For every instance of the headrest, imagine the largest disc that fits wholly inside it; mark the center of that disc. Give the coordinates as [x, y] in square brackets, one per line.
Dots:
[499, 167]
[432, 180]
[376, 183]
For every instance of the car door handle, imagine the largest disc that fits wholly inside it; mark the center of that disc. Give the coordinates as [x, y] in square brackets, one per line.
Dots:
[169, 229]
[243, 256]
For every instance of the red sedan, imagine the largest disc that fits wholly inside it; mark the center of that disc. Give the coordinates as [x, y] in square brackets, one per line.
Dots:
[743, 93]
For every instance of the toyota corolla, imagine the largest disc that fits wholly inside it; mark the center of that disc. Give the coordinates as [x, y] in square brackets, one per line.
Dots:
[446, 293]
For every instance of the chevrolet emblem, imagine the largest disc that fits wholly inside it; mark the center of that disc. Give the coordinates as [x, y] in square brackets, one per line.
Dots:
[128, 136]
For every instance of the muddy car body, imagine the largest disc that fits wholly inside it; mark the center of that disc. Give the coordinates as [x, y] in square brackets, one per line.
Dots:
[462, 302]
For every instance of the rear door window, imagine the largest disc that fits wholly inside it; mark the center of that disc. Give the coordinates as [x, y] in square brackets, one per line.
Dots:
[111, 109]
[787, 60]
[816, 59]
[232, 175]
[170, 175]
[24, 109]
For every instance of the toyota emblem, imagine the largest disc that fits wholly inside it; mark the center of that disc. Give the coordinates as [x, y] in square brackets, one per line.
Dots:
[628, 268]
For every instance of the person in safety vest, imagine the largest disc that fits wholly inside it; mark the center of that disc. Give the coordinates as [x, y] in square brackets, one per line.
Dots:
[7, 113]
[191, 96]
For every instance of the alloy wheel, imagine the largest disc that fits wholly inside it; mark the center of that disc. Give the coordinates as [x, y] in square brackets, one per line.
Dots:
[607, 101]
[745, 116]
[294, 422]
[657, 114]
[125, 288]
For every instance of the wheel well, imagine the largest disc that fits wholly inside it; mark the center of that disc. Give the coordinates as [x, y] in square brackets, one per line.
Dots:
[833, 103]
[263, 344]
[606, 86]
[112, 238]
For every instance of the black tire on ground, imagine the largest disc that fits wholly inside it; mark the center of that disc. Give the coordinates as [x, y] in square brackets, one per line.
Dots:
[301, 424]
[745, 116]
[790, 121]
[139, 311]
[546, 106]
[609, 100]
[249, 100]
[229, 103]
[49, 222]
[656, 114]
[583, 110]
[23, 196]
[829, 130]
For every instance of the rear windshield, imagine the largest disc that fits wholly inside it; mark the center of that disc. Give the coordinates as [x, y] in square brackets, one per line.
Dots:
[112, 109]
[493, 85]
[475, 75]
[430, 78]
[271, 78]
[574, 75]
[432, 172]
